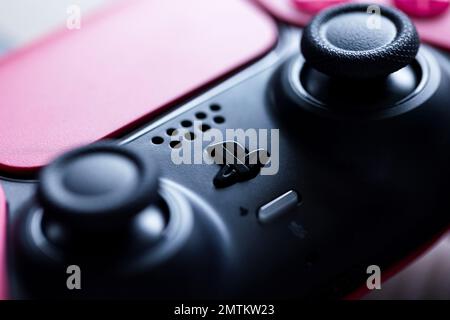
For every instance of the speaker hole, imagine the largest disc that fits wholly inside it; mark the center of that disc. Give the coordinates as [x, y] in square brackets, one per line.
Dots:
[172, 132]
[215, 107]
[189, 136]
[186, 123]
[175, 144]
[219, 119]
[157, 140]
[200, 115]
[204, 127]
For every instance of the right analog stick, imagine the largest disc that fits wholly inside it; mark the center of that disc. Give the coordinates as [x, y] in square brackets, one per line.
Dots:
[348, 41]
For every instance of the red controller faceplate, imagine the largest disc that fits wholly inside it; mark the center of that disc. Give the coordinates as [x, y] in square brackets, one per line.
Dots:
[3, 216]
[434, 29]
[123, 66]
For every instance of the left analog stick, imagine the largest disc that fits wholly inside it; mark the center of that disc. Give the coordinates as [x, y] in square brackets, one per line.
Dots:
[98, 188]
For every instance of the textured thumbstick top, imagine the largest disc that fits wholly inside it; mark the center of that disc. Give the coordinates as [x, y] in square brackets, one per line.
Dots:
[98, 185]
[360, 41]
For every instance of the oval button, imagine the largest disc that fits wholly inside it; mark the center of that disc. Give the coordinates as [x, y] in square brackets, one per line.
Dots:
[278, 207]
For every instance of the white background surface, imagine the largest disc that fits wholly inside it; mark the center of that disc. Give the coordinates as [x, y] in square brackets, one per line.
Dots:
[22, 21]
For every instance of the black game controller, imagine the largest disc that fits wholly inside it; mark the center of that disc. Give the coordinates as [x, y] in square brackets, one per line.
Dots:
[363, 178]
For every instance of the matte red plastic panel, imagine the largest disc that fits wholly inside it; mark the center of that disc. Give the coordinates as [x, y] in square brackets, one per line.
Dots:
[3, 277]
[434, 30]
[123, 66]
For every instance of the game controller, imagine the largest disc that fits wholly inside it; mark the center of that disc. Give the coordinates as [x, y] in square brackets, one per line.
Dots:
[361, 177]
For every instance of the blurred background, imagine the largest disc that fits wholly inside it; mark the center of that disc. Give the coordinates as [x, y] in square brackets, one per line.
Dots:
[22, 21]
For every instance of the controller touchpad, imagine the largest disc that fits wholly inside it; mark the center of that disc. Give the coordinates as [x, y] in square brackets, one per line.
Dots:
[122, 66]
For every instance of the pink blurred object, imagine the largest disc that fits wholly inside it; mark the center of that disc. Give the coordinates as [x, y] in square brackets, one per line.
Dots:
[3, 275]
[423, 8]
[435, 30]
[125, 65]
[317, 5]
